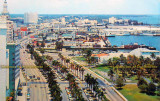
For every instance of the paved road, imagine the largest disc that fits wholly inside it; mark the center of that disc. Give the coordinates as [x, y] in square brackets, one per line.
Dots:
[38, 89]
[64, 84]
[111, 94]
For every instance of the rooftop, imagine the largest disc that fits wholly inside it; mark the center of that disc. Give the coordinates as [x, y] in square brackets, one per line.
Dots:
[99, 55]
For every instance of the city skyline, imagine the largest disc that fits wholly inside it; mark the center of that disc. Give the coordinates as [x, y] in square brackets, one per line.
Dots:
[84, 6]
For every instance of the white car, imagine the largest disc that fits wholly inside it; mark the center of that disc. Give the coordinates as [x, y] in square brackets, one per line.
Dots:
[28, 96]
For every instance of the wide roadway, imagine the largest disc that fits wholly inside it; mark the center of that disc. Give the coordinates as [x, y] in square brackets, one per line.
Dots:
[110, 93]
[38, 88]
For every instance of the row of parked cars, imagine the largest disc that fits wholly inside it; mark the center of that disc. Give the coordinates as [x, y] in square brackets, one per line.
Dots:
[69, 94]
[89, 94]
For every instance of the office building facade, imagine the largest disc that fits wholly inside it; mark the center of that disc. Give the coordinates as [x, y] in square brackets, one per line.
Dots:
[30, 18]
[3, 63]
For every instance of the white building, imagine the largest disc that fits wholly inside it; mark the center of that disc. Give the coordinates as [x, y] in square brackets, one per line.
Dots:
[144, 52]
[112, 20]
[30, 18]
[86, 22]
[63, 20]
[3, 71]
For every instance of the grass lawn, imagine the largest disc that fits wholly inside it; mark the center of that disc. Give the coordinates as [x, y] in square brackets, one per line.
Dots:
[132, 93]
[80, 58]
[109, 80]
[101, 68]
[133, 79]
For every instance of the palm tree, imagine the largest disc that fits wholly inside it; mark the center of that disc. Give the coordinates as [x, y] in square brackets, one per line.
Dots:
[37, 44]
[71, 67]
[43, 44]
[67, 61]
[94, 82]
[109, 62]
[77, 69]
[42, 50]
[87, 78]
[148, 61]
[64, 70]
[82, 72]
[141, 60]
[73, 51]
[111, 74]
[153, 56]
[157, 62]
[69, 76]
[95, 88]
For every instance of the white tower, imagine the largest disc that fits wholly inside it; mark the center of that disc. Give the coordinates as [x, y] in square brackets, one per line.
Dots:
[5, 9]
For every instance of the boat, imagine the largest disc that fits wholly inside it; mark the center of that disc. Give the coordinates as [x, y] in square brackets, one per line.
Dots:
[123, 34]
[156, 34]
[111, 35]
[136, 45]
[147, 34]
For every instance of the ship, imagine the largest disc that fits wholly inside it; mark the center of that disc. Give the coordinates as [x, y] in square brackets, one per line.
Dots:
[136, 45]
[156, 34]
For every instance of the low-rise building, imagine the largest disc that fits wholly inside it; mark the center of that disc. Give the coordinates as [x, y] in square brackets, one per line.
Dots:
[145, 52]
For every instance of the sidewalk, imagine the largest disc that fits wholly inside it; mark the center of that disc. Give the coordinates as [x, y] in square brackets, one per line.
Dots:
[24, 89]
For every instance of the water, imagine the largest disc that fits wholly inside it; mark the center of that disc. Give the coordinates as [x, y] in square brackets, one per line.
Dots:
[153, 41]
[147, 19]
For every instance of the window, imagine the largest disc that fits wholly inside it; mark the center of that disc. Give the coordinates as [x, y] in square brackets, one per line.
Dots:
[13, 54]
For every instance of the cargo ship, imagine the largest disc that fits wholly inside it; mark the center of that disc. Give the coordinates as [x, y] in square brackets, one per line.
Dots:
[136, 45]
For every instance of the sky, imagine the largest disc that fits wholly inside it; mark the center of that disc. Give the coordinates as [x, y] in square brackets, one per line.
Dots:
[137, 7]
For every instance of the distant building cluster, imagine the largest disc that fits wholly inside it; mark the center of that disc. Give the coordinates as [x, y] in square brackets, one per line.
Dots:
[116, 21]
[73, 32]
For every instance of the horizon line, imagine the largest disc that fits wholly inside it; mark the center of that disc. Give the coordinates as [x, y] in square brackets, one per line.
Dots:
[86, 14]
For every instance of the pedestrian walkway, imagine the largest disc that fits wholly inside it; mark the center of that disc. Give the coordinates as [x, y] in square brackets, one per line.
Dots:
[24, 89]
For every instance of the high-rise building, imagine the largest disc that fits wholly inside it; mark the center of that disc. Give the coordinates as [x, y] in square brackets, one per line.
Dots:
[10, 30]
[5, 9]
[10, 24]
[3, 71]
[63, 20]
[30, 18]
[14, 63]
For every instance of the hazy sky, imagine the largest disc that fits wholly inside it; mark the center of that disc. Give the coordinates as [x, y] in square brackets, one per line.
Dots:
[83, 6]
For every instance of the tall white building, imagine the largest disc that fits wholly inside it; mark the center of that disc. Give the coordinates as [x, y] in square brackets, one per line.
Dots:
[3, 71]
[5, 9]
[63, 20]
[30, 18]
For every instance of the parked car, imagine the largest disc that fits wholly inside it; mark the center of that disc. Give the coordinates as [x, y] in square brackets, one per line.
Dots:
[38, 78]
[28, 96]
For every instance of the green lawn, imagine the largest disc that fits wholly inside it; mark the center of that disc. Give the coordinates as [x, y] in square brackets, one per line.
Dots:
[109, 80]
[80, 58]
[132, 93]
[102, 68]
[133, 79]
